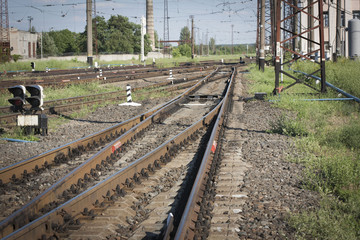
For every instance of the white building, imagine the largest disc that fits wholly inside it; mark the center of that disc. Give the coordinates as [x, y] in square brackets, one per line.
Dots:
[349, 9]
[23, 43]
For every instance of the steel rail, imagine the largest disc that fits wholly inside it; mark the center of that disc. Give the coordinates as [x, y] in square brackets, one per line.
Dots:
[186, 226]
[74, 70]
[82, 70]
[29, 211]
[107, 77]
[104, 191]
[7, 173]
[110, 96]
[55, 102]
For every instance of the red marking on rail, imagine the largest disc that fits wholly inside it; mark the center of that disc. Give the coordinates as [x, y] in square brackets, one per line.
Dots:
[115, 146]
[39, 81]
[213, 147]
[66, 80]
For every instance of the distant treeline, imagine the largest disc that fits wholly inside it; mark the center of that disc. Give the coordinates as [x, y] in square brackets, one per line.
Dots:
[116, 35]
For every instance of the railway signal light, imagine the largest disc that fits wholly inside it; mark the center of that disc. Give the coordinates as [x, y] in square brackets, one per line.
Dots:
[32, 64]
[36, 98]
[18, 99]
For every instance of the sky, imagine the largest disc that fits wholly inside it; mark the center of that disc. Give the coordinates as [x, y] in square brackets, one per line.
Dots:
[212, 18]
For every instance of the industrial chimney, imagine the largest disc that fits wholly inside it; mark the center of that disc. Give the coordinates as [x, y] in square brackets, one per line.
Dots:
[150, 22]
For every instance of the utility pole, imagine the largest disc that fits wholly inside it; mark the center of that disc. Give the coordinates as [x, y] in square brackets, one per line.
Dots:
[338, 30]
[89, 32]
[42, 31]
[295, 27]
[311, 26]
[202, 44]
[257, 32]
[192, 37]
[166, 25]
[95, 28]
[232, 39]
[207, 41]
[142, 37]
[30, 19]
[262, 37]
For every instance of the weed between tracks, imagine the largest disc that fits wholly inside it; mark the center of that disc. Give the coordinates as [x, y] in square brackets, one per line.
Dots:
[328, 136]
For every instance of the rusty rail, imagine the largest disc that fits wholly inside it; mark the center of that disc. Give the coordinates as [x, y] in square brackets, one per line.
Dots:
[53, 223]
[52, 106]
[108, 76]
[29, 212]
[186, 226]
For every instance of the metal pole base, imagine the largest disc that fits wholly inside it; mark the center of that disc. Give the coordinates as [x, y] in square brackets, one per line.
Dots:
[90, 60]
[262, 64]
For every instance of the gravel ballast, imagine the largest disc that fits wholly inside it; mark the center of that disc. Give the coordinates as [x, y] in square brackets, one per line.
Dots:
[104, 117]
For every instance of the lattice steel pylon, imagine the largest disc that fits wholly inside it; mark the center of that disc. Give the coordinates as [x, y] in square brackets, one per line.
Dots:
[166, 26]
[313, 10]
[258, 33]
[269, 26]
[4, 32]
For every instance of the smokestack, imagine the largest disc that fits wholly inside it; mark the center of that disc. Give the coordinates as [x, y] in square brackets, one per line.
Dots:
[150, 22]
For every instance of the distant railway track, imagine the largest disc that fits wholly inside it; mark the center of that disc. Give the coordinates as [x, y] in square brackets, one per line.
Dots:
[124, 68]
[43, 212]
[108, 76]
[74, 103]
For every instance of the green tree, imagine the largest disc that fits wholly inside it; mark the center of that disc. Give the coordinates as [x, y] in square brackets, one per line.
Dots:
[185, 35]
[176, 53]
[65, 41]
[156, 39]
[117, 35]
[185, 50]
[49, 46]
[101, 33]
[33, 30]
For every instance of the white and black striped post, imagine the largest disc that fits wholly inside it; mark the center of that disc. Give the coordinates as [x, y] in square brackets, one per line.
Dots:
[171, 76]
[129, 101]
[128, 93]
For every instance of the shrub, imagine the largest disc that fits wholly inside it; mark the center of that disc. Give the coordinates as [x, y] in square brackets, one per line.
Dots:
[176, 53]
[286, 126]
[16, 57]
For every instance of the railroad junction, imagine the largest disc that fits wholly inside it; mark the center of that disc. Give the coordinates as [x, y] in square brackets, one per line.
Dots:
[207, 145]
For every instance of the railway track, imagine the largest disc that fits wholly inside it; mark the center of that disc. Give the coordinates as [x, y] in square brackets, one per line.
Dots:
[59, 72]
[104, 75]
[61, 106]
[126, 171]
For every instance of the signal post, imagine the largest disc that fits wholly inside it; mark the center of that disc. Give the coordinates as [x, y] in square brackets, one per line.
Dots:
[29, 120]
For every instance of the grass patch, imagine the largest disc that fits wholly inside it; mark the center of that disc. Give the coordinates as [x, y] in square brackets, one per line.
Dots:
[344, 74]
[19, 133]
[287, 126]
[74, 63]
[41, 65]
[334, 220]
[330, 145]
[148, 93]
